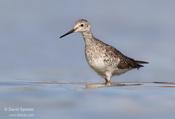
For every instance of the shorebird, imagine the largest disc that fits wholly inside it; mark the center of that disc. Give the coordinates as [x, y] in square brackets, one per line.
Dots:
[106, 60]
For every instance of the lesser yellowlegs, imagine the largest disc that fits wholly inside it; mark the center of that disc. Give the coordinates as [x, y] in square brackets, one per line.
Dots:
[103, 58]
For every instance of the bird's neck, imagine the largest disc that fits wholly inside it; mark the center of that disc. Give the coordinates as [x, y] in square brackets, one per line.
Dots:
[88, 37]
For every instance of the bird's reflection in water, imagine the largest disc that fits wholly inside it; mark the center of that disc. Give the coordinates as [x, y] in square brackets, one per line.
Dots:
[112, 84]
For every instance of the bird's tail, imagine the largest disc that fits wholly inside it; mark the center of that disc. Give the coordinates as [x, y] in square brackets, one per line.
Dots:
[139, 63]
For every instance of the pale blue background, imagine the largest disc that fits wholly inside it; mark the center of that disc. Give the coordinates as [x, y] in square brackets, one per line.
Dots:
[30, 47]
[31, 51]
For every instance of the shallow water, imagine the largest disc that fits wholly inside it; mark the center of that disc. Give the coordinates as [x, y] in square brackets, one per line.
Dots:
[63, 100]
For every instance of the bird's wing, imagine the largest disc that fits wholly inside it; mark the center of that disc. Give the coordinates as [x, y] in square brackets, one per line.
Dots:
[125, 62]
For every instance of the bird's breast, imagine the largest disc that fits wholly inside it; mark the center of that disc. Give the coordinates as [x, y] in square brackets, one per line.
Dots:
[95, 59]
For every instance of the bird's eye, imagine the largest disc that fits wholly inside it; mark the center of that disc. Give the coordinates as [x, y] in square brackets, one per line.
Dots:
[82, 25]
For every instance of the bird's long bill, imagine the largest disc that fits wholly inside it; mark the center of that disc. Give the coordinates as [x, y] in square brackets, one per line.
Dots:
[69, 32]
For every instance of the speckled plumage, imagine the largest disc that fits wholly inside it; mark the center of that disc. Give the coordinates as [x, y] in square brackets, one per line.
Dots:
[103, 58]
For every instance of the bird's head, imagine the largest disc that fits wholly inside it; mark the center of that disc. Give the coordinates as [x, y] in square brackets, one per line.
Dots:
[81, 25]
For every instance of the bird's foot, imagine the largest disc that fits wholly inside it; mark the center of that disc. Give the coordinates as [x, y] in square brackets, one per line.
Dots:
[108, 83]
